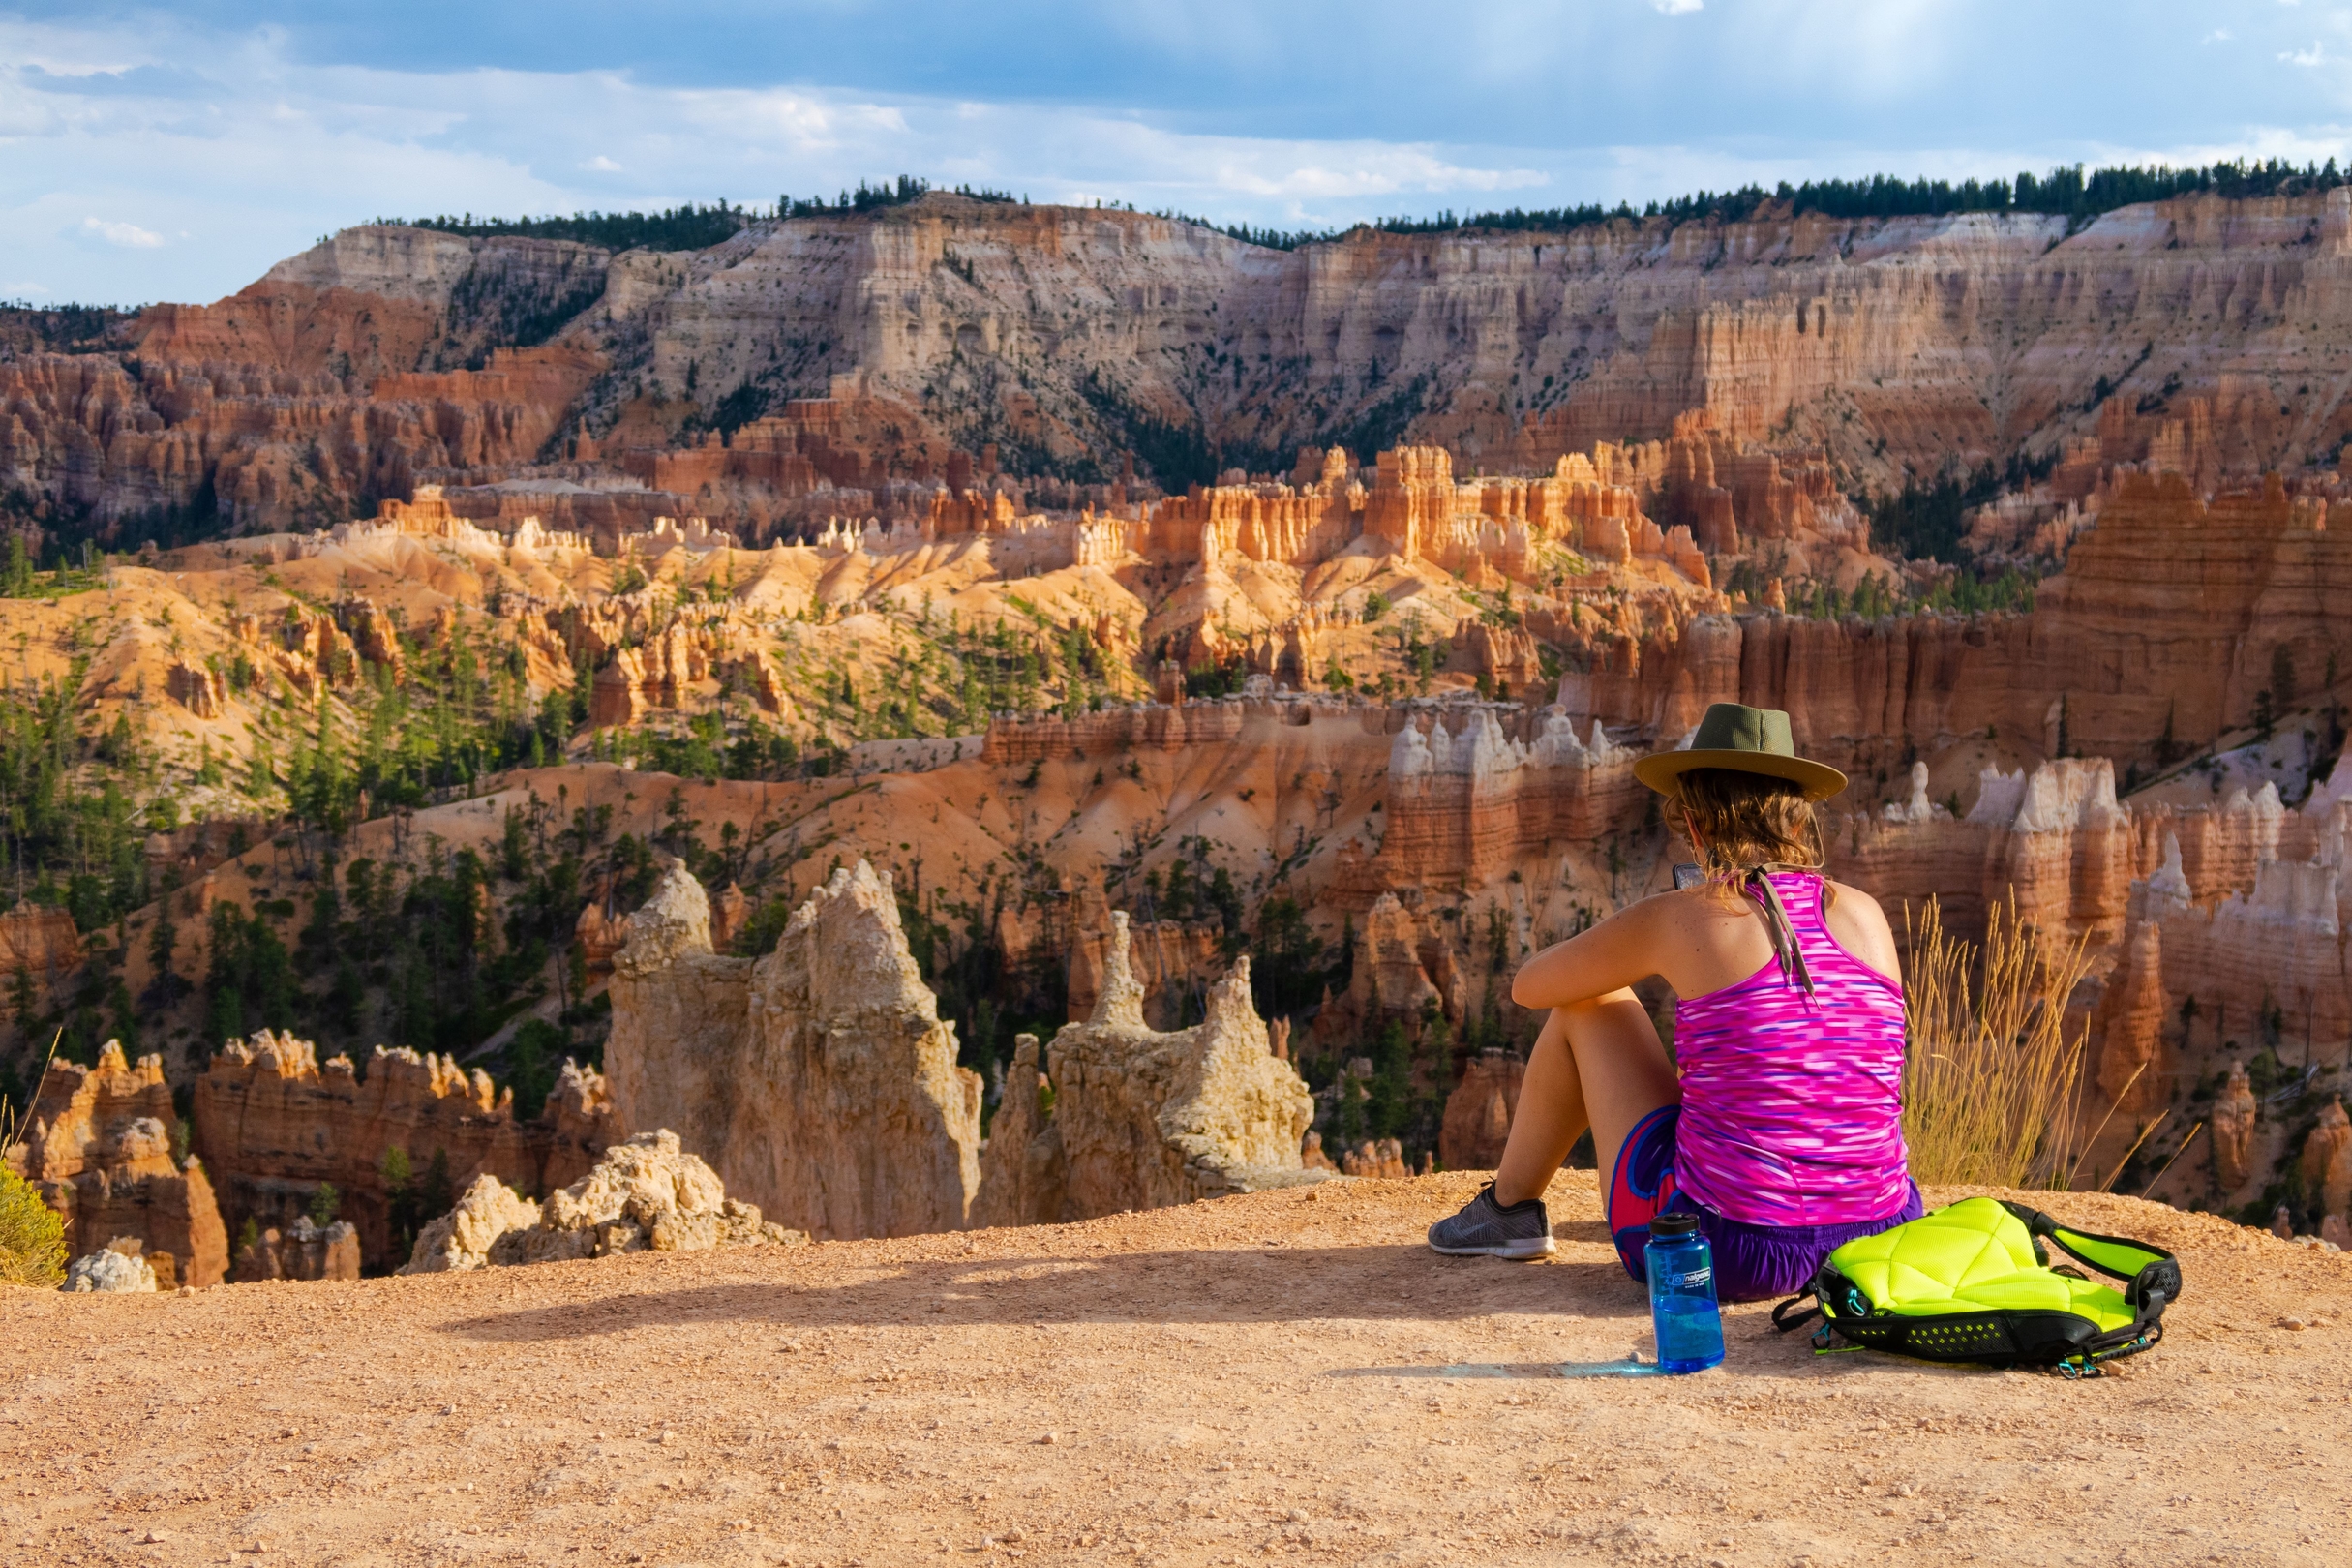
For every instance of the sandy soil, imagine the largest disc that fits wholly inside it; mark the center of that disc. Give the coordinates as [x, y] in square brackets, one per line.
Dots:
[1287, 1376]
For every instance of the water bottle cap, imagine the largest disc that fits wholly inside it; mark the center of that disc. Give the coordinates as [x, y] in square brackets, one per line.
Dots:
[1681, 1222]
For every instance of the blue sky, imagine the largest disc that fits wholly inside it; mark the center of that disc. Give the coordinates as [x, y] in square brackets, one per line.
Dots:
[174, 152]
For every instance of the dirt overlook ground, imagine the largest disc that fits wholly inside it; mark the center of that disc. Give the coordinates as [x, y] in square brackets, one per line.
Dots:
[1286, 1377]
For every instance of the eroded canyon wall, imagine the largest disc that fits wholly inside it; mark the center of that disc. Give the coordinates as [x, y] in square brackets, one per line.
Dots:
[2163, 629]
[1897, 346]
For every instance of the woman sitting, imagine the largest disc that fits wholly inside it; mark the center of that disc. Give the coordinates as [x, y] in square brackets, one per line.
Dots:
[1784, 1131]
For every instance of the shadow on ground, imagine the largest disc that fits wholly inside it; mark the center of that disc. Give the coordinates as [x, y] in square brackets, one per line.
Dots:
[1398, 1284]
[1278, 1284]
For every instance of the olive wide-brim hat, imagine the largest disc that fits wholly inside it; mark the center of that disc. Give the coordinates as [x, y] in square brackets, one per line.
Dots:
[1740, 739]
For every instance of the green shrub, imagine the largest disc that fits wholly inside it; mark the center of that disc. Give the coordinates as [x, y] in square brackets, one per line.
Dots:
[32, 1237]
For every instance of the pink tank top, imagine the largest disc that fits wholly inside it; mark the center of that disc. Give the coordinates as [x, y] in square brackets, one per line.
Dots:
[1792, 1106]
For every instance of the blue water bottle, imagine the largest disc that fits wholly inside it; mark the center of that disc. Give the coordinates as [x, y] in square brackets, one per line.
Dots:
[1681, 1269]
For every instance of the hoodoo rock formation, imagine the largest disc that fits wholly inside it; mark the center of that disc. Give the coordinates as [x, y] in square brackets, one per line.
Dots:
[2235, 1113]
[1391, 979]
[2212, 921]
[2327, 1161]
[303, 1250]
[819, 1080]
[2167, 622]
[276, 1122]
[1173, 961]
[1141, 1119]
[97, 1146]
[1466, 805]
[1478, 1112]
[41, 942]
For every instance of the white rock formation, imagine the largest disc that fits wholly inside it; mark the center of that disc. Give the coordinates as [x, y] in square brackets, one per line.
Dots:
[2334, 791]
[1999, 795]
[2166, 891]
[462, 1238]
[1918, 809]
[646, 1195]
[2057, 797]
[2072, 792]
[1482, 750]
[110, 1271]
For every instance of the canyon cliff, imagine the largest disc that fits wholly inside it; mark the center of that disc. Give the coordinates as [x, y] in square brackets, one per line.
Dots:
[833, 562]
[1072, 336]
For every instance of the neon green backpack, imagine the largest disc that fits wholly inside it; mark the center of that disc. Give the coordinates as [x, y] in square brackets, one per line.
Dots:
[1972, 1283]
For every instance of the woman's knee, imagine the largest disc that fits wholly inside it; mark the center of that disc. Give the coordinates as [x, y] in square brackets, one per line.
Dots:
[1597, 1012]
[1607, 999]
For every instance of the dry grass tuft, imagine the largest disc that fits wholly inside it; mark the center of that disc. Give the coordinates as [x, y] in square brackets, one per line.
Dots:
[1992, 1079]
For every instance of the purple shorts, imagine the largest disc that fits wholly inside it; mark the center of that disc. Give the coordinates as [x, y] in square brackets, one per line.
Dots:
[1751, 1262]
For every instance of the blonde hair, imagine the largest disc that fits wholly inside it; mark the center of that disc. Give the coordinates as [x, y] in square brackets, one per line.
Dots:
[1738, 820]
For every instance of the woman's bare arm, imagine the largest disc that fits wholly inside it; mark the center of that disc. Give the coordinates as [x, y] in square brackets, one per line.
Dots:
[1614, 955]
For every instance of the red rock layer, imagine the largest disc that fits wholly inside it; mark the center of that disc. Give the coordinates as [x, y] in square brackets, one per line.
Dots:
[269, 447]
[1464, 802]
[2169, 615]
[40, 940]
[1120, 729]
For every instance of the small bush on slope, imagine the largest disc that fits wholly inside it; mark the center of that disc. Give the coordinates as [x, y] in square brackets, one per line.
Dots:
[32, 1238]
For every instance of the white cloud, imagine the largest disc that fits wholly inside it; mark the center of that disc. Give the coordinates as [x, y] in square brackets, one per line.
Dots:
[130, 236]
[243, 150]
[2220, 35]
[2315, 55]
[255, 175]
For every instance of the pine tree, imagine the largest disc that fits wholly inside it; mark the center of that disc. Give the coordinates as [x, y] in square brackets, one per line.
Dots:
[159, 945]
[17, 579]
[2283, 676]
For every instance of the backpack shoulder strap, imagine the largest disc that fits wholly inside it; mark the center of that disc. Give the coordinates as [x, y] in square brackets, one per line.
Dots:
[2151, 1275]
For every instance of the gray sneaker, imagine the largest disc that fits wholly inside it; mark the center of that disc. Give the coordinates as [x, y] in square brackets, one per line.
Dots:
[1485, 1229]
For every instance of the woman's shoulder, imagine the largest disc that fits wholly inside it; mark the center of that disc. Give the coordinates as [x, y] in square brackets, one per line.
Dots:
[1857, 920]
[1852, 896]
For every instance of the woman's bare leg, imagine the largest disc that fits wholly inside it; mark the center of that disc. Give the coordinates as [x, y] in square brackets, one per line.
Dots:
[1598, 1064]
[1547, 1120]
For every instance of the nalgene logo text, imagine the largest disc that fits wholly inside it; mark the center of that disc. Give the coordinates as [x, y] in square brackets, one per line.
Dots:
[1698, 1279]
